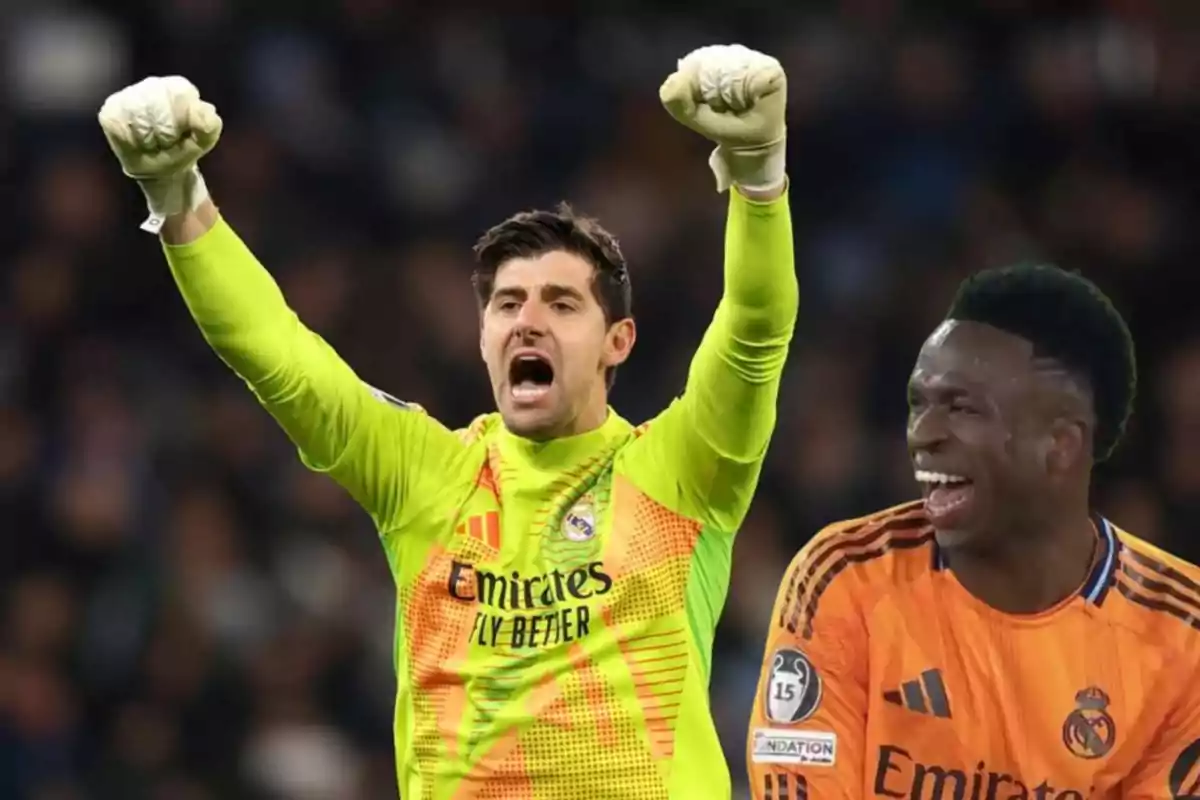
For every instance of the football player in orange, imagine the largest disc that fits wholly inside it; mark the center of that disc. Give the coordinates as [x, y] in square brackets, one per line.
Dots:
[998, 638]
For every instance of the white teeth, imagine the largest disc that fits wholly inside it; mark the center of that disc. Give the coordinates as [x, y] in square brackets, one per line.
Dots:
[528, 391]
[927, 476]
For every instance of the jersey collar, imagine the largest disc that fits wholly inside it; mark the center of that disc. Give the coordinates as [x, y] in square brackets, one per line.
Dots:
[1099, 579]
[567, 451]
[1096, 586]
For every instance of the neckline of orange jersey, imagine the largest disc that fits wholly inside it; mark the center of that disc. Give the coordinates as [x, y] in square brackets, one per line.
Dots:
[1104, 555]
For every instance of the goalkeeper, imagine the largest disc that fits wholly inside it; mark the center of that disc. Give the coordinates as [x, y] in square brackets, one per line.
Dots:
[559, 572]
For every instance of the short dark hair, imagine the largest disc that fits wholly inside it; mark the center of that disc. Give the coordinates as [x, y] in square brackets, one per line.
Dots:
[1068, 319]
[532, 233]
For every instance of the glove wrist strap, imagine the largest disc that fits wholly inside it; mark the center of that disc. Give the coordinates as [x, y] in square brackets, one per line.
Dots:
[166, 197]
[757, 169]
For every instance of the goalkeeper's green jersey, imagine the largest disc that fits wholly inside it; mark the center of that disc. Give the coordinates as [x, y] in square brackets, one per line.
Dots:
[556, 601]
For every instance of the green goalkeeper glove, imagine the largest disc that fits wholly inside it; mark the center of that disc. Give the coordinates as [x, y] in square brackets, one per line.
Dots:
[158, 129]
[736, 98]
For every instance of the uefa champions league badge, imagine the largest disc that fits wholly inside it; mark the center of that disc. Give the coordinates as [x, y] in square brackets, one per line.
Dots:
[579, 523]
[793, 689]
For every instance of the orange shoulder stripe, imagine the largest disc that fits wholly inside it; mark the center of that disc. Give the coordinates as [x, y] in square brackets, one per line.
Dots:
[1156, 585]
[840, 546]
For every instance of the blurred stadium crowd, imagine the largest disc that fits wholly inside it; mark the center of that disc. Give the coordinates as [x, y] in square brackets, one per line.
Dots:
[188, 614]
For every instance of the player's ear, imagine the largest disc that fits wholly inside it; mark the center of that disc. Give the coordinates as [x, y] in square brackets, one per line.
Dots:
[1066, 445]
[618, 342]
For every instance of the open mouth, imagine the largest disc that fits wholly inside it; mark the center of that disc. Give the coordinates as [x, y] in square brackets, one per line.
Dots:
[530, 376]
[947, 495]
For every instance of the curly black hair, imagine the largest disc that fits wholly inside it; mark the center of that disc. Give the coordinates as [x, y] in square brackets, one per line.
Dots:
[1068, 319]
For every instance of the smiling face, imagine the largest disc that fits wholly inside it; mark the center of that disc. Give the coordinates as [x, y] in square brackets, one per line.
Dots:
[547, 345]
[993, 436]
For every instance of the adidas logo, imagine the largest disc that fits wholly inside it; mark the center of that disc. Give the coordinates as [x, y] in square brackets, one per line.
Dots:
[924, 695]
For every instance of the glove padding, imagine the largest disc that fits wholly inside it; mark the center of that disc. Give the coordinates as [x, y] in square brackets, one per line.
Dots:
[159, 129]
[736, 98]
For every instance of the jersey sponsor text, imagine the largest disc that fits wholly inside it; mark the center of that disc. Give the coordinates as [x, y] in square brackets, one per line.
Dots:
[557, 600]
[899, 775]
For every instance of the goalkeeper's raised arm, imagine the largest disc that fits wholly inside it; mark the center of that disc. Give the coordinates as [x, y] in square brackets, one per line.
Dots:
[375, 446]
[712, 440]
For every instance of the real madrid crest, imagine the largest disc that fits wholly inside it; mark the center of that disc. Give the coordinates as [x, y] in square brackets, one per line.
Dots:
[1089, 731]
[579, 523]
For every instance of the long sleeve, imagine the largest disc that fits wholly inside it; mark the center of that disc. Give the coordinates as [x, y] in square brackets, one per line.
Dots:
[808, 726]
[374, 445]
[703, 455]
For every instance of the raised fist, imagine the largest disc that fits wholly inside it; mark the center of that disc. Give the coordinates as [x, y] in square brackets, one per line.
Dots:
[159, 127]
[736, 98]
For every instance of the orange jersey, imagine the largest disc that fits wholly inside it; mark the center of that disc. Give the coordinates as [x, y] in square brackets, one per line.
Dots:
[884, 677]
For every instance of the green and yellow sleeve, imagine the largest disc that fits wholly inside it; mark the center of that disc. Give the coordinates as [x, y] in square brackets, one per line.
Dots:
[380, 449]
[703, 455]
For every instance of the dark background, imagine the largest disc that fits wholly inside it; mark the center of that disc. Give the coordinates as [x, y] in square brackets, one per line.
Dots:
[188, 614]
